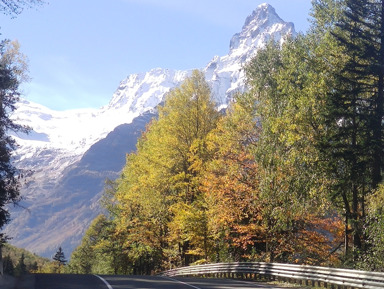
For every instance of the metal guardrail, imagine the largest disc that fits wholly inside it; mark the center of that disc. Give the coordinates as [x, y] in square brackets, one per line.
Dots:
[321, 275]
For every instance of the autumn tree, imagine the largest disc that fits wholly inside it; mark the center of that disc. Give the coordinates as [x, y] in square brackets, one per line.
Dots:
[249, 221]
[188, 116]
[290, 85]
[231, 185]
[142, 207]
[162, 212]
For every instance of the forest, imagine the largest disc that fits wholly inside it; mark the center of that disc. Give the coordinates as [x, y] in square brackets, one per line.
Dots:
[290, 172]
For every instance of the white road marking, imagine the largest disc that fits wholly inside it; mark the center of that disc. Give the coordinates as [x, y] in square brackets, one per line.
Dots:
[174, 280]
[105, 282]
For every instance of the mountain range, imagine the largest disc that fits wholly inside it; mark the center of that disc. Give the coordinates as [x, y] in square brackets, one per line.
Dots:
[69, 154]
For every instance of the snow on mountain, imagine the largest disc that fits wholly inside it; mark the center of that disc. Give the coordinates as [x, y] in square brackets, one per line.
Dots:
[54, 153]
[226, 74]
[142, 92]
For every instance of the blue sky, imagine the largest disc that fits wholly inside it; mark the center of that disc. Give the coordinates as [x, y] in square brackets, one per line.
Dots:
[80, 50]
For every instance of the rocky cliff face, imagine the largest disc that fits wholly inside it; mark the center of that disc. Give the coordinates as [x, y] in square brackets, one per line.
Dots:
[225, 74]
[69, 154]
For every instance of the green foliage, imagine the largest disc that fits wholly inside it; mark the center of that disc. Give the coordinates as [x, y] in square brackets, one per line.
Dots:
[12, 73]
[60, 257]
[323, 95]
[8, 266]
[288, 85]
[59, 261]
[372, 258]
[12, 256]
[352, 144]
[21, 267]
[99, 252]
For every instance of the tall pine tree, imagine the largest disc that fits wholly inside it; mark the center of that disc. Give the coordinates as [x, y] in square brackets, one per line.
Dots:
[353, 143]
[59, 257]
[12, 73]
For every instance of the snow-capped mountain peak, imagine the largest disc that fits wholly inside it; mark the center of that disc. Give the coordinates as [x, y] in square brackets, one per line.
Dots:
[259, 28]
[226, 73]
[264, 13]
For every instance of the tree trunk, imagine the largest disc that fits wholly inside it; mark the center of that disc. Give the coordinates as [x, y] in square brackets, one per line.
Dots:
[346, 236]
[1, 262]
[377, 133]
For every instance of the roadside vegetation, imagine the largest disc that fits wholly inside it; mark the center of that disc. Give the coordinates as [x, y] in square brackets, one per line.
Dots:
[18, 262]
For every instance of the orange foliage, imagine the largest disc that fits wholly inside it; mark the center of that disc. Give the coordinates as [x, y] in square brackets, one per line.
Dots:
[240, 217]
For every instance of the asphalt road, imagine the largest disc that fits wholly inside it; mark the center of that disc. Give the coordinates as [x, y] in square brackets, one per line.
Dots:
[67, 281]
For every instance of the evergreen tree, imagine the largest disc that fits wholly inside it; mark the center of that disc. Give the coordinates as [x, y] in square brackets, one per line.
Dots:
[12, 73]
[59, 257]
[9, 267]
[21, 267]
[353, 142]
[33, 268]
